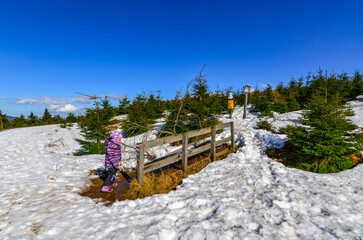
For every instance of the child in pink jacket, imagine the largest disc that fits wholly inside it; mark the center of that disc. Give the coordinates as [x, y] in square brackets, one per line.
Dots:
[112, 160]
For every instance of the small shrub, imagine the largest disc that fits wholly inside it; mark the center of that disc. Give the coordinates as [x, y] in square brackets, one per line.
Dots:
[289, 130]
[264, 125]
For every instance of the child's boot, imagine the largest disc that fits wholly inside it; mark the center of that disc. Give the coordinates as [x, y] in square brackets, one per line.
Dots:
[106, 189]
[114, 185]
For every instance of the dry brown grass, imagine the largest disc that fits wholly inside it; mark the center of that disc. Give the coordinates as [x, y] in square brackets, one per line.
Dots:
[154, 183]
[168, 180]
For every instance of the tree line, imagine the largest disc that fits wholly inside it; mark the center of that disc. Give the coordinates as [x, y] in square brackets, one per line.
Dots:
[324, 141]
[296, 93]
[196, 106]
[32, 120]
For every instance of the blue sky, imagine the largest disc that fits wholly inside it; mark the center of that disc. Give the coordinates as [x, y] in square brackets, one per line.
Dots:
[49, 50]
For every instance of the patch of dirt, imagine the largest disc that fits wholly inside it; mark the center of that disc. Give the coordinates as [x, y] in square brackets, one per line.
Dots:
[94, 190]
[36, 228]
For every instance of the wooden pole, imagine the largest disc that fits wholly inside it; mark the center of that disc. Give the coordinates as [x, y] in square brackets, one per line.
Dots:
[140, 166]
[233, 145]
[185, 153]
[245, 107]
[213, 144]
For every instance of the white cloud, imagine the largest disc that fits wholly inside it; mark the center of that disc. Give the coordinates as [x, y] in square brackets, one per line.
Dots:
[68, 108]
[253, 90]
[63, 108]
[63, 104]
[53, 107]
[263, 86]
[26, 101]
[43, 100]
[80, 99]
[3, 98]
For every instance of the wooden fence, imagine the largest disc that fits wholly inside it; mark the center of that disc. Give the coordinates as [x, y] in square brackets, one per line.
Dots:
[183, 153]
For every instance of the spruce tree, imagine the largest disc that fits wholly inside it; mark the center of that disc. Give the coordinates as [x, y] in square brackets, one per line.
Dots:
[107, 110]
[46, 118]
[327, 140]
[71, 118]
[19, 122]
[142, 113]
[279, 99]
[57, 119]
[123, 106]
[1, 121]
[293, 95]
[262, 101]
[195, 110]
[32, 119]
[139, 116]
[201, 105]
[93, 127]
[356, 86]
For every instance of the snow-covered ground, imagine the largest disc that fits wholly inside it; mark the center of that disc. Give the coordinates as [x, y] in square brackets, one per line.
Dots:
[245, 196]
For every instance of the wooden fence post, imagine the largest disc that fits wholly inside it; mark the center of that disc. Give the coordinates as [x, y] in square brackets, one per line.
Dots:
[140, 165]
[213, 144]
[233, 145]
[185, 153]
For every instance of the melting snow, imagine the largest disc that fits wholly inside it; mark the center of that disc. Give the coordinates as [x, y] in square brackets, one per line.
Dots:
[245, 196]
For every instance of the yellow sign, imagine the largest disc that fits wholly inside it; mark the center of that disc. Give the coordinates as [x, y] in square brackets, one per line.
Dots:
[230, 104]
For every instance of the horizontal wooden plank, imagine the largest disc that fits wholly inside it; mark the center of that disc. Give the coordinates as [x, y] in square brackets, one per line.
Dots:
[162, 141]
[161, 163]
[220, 153]
[206, 147]
[223, 141]
[221, 126]
[175, 158]
[172, 153]
[199, 132]
[198, 150]
[191, 134]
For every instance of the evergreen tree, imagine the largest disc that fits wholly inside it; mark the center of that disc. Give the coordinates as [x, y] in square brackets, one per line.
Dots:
[46, 118]
[262, 101]
[19, 122]
[71, 118]
[356, 86]
[1, 121]
[94, 127]
[194, 110]
[201, 105]
[57, 119]
[32, 119]
[4, 121]
[142, 113]
[327, 140]
[279, 99]
[293, 95]
[123, 106]
[219, 100]
[107, 110]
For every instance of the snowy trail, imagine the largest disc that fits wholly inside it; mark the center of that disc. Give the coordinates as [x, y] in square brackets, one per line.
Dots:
[245, 196]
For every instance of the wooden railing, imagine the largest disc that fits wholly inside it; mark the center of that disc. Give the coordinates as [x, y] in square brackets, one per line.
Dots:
[183, 153]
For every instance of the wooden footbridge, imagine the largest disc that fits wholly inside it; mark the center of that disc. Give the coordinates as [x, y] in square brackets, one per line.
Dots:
[183, 153]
